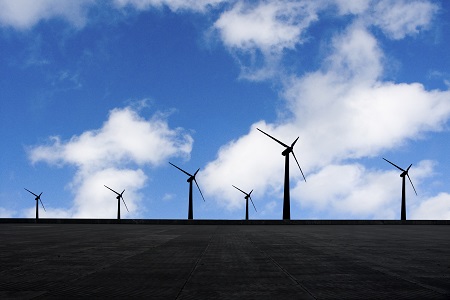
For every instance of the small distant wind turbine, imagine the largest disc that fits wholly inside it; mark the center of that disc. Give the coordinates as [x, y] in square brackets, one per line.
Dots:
[247, 196]
[402, 175]
[285, 153]
[38, 198]
[119, 196]
[190, 179]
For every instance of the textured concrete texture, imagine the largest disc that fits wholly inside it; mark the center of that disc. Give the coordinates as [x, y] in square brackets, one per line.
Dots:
[224, 261]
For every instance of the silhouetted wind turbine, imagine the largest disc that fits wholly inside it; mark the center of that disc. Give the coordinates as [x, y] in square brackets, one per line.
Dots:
[119, 196]
[285, 153]
[402, 175]
[38, 198]
[247, 196]
[190, 179]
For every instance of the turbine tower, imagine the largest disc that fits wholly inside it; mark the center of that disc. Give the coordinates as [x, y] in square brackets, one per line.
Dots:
[38, 198]
[247, 196]
[285, 153]
[402, 175]
[119, 196]
[190, 179]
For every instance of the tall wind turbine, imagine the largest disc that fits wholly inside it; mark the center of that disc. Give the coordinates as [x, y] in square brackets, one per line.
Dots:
[402, 175]
[285, 153]
[38, 198]
[190, 179]
[247, 196]
[119, 196]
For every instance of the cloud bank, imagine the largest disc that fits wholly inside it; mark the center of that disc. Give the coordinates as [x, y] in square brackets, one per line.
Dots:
[342, 112]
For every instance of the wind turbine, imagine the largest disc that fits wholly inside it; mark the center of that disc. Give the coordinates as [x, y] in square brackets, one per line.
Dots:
[119, 196]
[38, 198]
[285, 153]
[247, 196]
[402, 175]
[190, 179]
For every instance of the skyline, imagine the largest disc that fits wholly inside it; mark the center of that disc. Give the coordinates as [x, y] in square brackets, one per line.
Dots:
[97, 93]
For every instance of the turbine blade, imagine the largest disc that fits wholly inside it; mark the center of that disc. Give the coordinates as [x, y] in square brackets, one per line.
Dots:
[411, 183]
[250, 193]
[181, 169]
[40, 195]
[394, 165]
[299, 165]
[199, 189]
[122, 193]
[278, 141]
[253, 203]
[32, 193]
[292, 145]
[196, 172]
[239, 189]
[42, 204]
[125, 204]
[408, 168]
[112, 190]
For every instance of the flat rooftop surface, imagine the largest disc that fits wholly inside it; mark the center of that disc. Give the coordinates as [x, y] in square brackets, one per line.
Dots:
[224, 261]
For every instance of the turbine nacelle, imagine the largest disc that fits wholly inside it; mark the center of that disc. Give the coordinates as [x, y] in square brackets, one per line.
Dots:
[118, 197]
[37, 198]
[404, 173]
[191, 178]
[247, 196]
[289, 149]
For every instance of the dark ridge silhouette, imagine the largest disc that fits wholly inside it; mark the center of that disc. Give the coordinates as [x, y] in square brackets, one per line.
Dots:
[119, 196]
[285, 153]
[402, 175]
[38, 198]
[213, 260]
[220, 222]
[190, 179]
[247, 196]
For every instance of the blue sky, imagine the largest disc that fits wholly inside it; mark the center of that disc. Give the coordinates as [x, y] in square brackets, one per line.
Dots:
[108, 92]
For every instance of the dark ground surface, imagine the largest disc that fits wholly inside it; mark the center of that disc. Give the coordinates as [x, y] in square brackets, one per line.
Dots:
[224, 261]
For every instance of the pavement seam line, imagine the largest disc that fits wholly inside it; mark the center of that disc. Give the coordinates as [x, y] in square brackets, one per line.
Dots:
[289, 275]
[195, 265]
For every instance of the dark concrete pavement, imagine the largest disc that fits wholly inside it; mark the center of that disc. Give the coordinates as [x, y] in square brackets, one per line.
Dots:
[224, 261]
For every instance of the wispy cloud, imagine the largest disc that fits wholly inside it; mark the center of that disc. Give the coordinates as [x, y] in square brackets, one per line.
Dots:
[174, 5]
[398, 19]
[23, 14]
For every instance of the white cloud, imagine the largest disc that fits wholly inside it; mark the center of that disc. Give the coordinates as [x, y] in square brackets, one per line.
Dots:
[109, 156]
[398, 19]
[24, 14]
[353, 191]
[435, 208]
[347, 112]
[262, 30]
[93, 200]
[124, 137]
[352, 6]
[269, 26]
